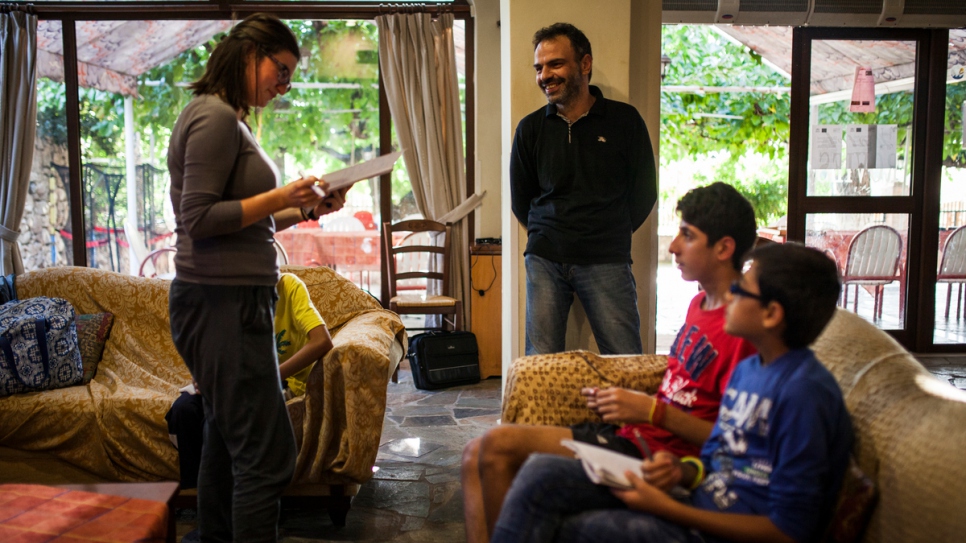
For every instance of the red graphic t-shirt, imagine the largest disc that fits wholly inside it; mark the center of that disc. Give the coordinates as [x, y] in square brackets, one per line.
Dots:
[698, 368]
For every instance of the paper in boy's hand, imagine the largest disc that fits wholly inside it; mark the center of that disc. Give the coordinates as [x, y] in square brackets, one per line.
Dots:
[346, 177]
[604, 466]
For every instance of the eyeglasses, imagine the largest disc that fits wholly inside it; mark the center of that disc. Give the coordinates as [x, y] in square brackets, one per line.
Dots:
[738, 291]
[284, 75]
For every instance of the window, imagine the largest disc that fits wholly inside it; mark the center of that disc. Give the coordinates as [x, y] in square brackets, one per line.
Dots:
[131, 85]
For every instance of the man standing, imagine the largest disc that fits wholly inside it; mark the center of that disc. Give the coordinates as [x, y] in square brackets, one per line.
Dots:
[582, 180]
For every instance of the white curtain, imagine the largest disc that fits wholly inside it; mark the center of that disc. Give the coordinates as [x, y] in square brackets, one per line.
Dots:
[18, 126]
[417, 58]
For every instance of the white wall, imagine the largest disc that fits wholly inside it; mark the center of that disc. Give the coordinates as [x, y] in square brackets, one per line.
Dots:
[625, 35]
[488, 141]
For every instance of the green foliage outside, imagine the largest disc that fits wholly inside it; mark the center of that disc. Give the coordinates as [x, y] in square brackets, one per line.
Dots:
[701, 57]
[309, 129]
[319, 130]
[897, 108]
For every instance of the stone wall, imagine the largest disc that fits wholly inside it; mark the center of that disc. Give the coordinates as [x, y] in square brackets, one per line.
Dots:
[47, 212]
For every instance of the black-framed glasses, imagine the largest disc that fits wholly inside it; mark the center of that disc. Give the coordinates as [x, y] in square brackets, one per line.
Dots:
[284, 74]
[736, 289]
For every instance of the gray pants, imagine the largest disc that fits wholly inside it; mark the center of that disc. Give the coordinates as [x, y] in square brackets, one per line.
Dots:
[225, 335]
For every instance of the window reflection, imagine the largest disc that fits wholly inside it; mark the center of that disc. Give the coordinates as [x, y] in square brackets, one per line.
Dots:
[950, 310]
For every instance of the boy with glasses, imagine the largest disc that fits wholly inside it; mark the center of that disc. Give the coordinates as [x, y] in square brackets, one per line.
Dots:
[774, 461]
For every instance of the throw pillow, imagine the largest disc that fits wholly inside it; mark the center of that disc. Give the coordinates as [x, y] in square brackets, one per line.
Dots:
[854, 508]
[92, 333]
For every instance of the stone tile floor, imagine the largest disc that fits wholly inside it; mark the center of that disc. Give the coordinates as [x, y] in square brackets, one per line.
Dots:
[415, 495]
[948, 368]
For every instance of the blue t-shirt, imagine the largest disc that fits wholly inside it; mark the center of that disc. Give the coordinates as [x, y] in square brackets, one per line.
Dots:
[780, 446]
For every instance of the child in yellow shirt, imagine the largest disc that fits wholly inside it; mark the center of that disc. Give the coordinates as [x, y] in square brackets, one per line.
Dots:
[301, 338]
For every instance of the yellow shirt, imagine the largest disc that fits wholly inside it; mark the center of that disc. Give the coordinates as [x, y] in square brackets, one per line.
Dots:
[295, 316]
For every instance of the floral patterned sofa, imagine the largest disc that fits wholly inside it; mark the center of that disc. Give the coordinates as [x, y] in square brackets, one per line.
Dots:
[910, 427]
[113, 428]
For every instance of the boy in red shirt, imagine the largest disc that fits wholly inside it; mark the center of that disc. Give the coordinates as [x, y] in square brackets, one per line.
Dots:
[717, 229]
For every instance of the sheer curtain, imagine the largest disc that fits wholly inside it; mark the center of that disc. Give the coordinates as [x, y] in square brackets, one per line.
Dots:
[417, 58]
[18, 126]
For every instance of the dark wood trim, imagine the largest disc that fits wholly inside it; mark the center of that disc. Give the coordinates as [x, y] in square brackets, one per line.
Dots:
[922, 205]
[858, 204]
[798, 134]
[470, 128]
[931, 194]
[69, 12]
[914, 259]
[385, 188]
[943, 348]
[71, 86]
[223, 9]
[854, 34]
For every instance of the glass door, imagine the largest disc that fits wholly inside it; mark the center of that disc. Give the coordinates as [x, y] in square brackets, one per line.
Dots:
[949, 303]
[857, 173]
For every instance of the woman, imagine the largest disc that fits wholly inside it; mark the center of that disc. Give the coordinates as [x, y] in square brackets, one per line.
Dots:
[227, 203]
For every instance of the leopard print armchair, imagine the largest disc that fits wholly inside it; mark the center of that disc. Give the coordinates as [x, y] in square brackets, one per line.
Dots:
[545, 389]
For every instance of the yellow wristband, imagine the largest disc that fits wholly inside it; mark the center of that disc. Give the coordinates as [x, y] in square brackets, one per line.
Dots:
[698, 465]
[650, 414]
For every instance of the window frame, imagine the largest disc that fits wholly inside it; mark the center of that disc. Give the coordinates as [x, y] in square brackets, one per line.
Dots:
[70, 12]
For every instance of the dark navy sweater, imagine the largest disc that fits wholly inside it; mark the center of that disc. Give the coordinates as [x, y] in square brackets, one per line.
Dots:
[582, 188]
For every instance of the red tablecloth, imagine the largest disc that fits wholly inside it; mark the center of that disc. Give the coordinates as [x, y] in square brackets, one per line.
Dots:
[36, 513]
[342, 251]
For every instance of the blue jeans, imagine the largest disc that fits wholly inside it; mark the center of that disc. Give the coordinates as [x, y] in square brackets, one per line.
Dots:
[552, 500]
[608, 293]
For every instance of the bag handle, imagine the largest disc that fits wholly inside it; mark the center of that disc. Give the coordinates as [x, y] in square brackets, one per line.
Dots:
[41, 325]
[41, 329]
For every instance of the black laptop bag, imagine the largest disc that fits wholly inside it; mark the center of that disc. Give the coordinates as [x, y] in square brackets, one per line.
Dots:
[441, 359]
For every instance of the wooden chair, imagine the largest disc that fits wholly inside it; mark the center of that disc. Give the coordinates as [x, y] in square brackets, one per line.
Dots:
[161, 263]
[952, 267]
[413, 263]
[281, 257]
[872, 260]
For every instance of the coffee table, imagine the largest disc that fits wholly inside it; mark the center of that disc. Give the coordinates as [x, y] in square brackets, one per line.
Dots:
[164, 492]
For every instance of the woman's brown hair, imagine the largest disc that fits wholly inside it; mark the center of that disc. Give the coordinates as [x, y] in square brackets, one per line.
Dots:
[226, 73]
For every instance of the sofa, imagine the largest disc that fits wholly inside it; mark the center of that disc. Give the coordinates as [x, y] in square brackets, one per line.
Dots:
[113, 428]
[910, 427]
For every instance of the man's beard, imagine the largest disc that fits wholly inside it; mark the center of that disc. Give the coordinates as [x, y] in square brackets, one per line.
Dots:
[568, 90]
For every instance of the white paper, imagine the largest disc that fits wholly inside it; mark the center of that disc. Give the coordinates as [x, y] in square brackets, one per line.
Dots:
[871, 146]
[857, 146]
[604, 466]
[886, 140]
[189, 388]
[347, 177]
[827, 147]
[457, 213]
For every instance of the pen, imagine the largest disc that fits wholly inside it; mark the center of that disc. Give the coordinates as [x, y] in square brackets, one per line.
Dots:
[315, 187]
[643, 445]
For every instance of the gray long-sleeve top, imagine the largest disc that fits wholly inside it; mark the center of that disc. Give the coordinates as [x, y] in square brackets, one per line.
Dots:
[215, 163]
